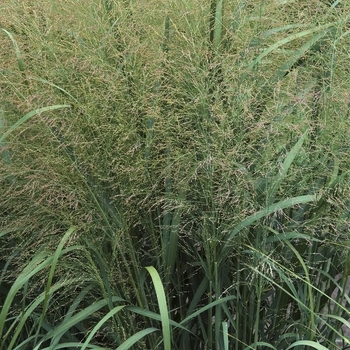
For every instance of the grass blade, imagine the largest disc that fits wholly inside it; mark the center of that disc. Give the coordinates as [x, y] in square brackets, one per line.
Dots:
[207, 307]
[281, 72]
[58, 331]
[163, 308]
[218, 24]
[38, 263]
[135, 338]
[54, 86]
[285, 167]
[267, 211]
[73, 345]
[225, 334]
[309, 288]
[17, 51]
[56, 255]
[153, 315]
[260, 343]
[28, 116]
[286, 40]
[23, 317]
[313, 344]
[100, 323]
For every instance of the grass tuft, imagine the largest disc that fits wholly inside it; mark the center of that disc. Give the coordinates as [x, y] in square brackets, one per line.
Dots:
[200, 151]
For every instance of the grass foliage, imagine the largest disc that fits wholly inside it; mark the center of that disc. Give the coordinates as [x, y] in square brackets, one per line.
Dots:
[174, 174]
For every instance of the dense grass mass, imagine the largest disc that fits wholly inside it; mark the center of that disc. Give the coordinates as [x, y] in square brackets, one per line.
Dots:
[174, 174]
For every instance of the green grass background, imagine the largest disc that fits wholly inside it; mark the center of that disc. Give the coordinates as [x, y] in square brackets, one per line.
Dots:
[174, 174]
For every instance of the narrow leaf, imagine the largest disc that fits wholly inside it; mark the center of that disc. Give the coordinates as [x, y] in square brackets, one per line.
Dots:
[163, 308]
[286, 41]
[313, 344]
[29, 115]
[260, 343]
[100, 323]
[225, 334]
[17, 50]
[218, 24]
[135, 338]
[285, 167]
[267, 211]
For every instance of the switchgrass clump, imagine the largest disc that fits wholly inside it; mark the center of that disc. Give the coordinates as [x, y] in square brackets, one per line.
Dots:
[174, 175]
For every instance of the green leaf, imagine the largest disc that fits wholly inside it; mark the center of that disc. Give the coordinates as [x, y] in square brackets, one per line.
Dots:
[54, 86]
[286, 40]
[260, 343]
[100, 323]
[285, 167]
[342, 320]
[281, 72]
[163, 308]
[152, 315]
[56, 255]
[28, 312]
[207, 307]
[218, 24]
[313, 344]
[72, 345]
[225, 334]
[267, 211]
[171, 244]
[38, 263]
[135, 338]
[279, 237]
[64, 326]
[29, 115]
[17, 51]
